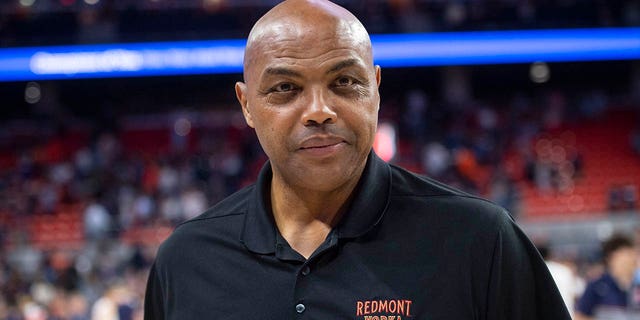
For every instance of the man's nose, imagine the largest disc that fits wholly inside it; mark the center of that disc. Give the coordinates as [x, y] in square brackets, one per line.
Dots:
[318, 110]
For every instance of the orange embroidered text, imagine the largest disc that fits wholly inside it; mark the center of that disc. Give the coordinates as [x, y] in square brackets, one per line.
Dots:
[389, 307]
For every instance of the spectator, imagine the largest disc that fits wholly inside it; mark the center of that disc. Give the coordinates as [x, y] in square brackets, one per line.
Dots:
[113, 305]
[97, 221]
[629, 197]
[436, 159]
[615, 198]
[193, 202]
[25, 259]
[607, 296]
[623, 197]
[566, 280]
[78, 307]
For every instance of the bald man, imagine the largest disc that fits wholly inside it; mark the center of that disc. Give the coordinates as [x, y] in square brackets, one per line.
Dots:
[330, 231]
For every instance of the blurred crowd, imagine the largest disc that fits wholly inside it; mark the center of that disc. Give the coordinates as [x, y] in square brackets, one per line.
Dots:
[40, 22]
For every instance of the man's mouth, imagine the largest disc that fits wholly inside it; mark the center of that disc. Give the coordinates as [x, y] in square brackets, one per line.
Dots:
[317, 142]
[322, 146]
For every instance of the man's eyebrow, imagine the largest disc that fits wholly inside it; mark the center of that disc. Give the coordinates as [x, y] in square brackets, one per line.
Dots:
[343, 64]
[283, 71]
[280, 71]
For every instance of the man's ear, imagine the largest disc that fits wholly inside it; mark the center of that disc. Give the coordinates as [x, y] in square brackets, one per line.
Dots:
[241, 94]
[378, 75]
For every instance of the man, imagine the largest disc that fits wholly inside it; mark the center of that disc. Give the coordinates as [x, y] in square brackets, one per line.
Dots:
[607, 297]
[330, 231]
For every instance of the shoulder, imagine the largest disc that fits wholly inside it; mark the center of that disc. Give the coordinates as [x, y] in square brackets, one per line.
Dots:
[232, 205]
[220, 224]
[220, 215]
[425, 196]
[407, 183]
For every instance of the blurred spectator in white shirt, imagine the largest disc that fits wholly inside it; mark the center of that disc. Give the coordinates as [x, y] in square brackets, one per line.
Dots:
[97, 221]
[565, 278]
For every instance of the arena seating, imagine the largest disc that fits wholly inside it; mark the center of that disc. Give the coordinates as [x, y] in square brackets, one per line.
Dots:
[608, 161]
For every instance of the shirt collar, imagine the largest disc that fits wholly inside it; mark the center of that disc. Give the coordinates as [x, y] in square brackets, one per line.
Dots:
[370, 201]
[366, 209]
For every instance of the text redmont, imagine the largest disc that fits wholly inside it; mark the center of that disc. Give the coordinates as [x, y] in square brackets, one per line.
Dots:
[397, 307]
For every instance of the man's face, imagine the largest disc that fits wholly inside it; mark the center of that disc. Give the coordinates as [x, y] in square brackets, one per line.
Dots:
[311, 93]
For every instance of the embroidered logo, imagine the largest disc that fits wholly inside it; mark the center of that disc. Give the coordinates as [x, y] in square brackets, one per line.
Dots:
[384, 309]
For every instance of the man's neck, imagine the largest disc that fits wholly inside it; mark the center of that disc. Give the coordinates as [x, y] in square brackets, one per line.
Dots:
[305, 217]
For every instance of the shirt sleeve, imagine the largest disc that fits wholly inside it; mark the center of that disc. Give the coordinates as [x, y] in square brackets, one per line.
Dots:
[520, 285]
[153, 299]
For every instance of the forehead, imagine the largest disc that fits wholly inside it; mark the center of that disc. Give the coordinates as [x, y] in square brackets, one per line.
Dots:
[624, 251]
[306, 44]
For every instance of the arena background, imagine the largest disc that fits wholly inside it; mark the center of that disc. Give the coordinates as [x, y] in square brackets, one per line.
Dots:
[95, 172]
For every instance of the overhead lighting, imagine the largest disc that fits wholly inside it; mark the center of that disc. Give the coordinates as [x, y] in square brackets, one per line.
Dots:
[539, 72]
[27, 3]
[32, 93]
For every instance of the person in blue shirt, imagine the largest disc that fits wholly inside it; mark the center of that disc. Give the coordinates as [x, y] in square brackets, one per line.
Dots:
[607, 297]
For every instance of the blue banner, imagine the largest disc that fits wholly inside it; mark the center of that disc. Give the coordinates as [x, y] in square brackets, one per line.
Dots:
[394, 50]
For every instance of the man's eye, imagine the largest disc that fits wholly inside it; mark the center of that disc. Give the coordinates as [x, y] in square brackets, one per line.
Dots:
[344, 82]
[283, 87]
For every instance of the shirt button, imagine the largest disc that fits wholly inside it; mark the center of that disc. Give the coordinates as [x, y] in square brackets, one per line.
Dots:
[300, 308]
[306, 270]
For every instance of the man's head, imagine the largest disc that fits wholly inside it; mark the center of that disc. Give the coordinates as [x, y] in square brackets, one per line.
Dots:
[311, 92]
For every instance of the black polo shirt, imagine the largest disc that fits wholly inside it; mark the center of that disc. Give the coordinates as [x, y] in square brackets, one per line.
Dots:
[408, 248]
